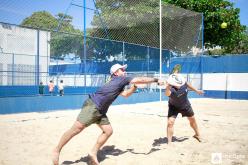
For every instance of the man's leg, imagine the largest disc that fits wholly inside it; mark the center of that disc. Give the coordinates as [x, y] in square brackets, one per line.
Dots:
[193, 124]
[170, 129]
[107, 131]
[76, 128]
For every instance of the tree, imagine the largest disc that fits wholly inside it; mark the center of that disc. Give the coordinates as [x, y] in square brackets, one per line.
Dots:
[137, 22]
[215, 13]
[65, 39]
[126, 20]
[242, 48]
[41, 20]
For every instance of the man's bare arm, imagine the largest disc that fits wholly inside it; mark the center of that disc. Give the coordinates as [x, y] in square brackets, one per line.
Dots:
[128, 92]
[143, 80]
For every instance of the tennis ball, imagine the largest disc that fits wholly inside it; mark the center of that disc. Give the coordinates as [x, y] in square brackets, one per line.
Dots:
[223, 25]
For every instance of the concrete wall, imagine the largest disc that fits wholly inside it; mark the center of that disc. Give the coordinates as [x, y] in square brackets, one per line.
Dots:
[20, 50]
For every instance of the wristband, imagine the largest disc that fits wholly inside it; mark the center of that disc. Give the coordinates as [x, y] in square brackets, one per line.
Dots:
[155, 79]
[135, 86]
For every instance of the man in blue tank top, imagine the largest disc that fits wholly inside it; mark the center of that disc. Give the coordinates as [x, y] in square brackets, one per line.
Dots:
[96, 106]
[177, 91]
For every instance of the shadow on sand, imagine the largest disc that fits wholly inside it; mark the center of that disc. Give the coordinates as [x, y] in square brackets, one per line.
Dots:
[101, 155]
[160, 141]
[112, 150]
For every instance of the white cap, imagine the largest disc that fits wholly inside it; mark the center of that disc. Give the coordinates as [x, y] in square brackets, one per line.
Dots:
[176, 80]
[115, 67]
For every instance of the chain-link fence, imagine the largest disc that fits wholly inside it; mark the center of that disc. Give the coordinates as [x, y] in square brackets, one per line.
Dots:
[138, 22]
[25, 71]
[81, 52]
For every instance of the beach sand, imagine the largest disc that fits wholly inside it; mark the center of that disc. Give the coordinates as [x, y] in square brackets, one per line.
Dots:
[139, 136]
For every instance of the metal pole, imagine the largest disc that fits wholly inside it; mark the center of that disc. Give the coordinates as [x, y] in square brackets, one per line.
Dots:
[38, 59]
[85, 46]
[169, 66]
[13, 68]
[160, 46]
[148, 59]
[201, 56]
[123, 53]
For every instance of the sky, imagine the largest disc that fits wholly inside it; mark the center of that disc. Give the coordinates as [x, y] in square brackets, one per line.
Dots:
[14, 11]
[243, 5]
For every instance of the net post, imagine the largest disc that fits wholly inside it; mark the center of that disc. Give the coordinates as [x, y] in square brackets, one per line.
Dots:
[160, 48]
[84, 1]
[201, 55]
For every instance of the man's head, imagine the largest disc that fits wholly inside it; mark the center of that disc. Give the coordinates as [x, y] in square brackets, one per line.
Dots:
[118, 70]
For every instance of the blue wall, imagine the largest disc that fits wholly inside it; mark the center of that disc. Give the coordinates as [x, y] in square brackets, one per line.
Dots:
[31, 102]
[17, 91]
[47, 103]
[40, 103]
[241, 95]
[212, 64]
[103, 67]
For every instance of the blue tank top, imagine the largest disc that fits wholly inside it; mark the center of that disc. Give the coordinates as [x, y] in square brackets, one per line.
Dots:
[104, 96]
[179, 97]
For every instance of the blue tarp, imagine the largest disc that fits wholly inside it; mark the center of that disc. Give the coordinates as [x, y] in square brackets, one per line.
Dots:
[199, 64]
[213, 64]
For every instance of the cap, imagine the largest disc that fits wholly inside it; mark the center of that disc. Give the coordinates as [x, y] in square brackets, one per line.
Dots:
[115, 67]
[176, 80]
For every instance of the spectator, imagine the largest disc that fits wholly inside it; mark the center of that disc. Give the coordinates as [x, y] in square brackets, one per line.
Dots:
[61, 88]
[41, 88]
[51, 87]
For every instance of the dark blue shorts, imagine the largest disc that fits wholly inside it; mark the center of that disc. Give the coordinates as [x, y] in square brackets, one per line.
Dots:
[173, 111]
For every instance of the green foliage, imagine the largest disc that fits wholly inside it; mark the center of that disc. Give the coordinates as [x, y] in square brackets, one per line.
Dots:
[41, 20]
[126, 21]
[216, 52]
[61, 42]
[138, 22]
[242, 47]
[215, 12]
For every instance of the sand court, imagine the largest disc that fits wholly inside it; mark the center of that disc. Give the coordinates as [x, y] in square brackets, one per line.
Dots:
[139, 136]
